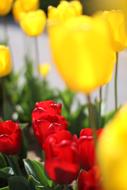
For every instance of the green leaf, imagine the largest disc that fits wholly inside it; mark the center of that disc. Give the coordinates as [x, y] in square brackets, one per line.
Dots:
[18, 183]
[33, 182]
[36, 169]
[5, 188]
[3, 162]
[13, 162]
[6, 172]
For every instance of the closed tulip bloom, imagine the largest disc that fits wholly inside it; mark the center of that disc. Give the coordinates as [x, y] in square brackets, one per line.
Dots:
[62, 160]
[17, 10]
[86, 146]
[112, 152]
[10, 137]
[5, 7]
[29, 5]
[64, 11]
[117, 24]
[89, 180]
[44, 69]
[82, 51]
[5, 61]
[33, 23]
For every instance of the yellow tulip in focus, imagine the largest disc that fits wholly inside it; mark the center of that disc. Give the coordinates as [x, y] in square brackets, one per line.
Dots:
[82, 52]
[44, 69]
[33, 23]
[17, 10]
[112, 152]
[5, 61]
[5, 7]
[117, 24]
[64, 11]
[29, 5]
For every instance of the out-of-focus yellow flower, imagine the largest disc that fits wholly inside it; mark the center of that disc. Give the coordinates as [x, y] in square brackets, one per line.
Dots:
[82, 52]
[44, 69]
[112, 152]
[30, 5]
[117, 24]
[5, 7]
[5, 61]
[33, 23]
[17, 10]
[64, 11]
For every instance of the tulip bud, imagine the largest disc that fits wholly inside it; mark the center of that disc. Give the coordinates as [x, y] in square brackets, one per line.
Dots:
[44, 69]
[29, 5]
[117, 24]
[17, 10]
[5, 61]
[33, 23]
[10, 137]
[5, 7]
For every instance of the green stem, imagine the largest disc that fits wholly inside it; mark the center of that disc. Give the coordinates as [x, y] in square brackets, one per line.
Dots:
[5, 30]
[2, 110]
[92, 119]
[100, 104]
[116, 83]
[37, 52]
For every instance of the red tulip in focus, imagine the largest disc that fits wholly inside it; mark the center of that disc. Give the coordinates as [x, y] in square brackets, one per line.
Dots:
[10, 137]
[87, 148]
[89, 180]
[47, 119]
[61, 157]
[48, 106]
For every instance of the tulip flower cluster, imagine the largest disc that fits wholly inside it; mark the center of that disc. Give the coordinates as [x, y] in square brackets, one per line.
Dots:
[65, 154]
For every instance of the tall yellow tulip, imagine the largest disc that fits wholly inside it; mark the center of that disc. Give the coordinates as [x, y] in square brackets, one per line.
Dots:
[30, 5]
[17, 10]
[5, 61]
[82, 51]
[33, 23]
[117, 24]
[64, 11]
[112, 152]
[5, 7]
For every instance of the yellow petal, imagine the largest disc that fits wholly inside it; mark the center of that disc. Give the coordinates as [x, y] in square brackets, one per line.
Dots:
[17, 10]
[5, 7]
[33, 23]
[112, 152]
[5, 61]
[64, 11]
[117, 24]
[44, 69]
[30, 5]
[82, 52]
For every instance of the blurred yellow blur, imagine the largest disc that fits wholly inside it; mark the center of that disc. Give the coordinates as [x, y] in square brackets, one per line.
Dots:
[112, 152]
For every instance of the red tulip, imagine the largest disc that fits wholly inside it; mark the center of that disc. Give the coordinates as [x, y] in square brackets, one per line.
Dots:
[44, 128]
[62, 160]
[10, 137]
[87, 148]
[89, 180]
[47, 119]
[48, 106]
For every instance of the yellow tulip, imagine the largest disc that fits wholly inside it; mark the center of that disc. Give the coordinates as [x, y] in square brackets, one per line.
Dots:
[82, 52]
[5, 7]
[44, 69]
[29, 5]
[17, 10]
[112, 152]
[5, 61]
[33, 23]
[64, 11]
[117, 24]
